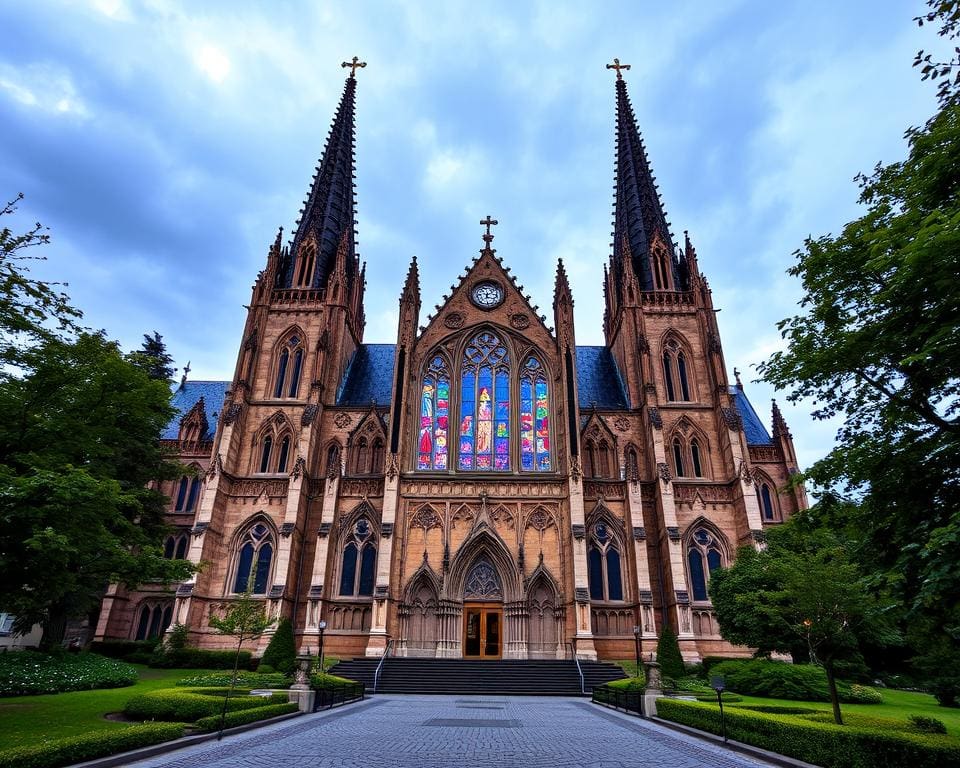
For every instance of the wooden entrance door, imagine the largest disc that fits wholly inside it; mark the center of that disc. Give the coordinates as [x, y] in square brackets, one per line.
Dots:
[482, 630]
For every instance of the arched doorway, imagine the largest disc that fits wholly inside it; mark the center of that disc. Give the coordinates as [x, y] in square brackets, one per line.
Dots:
[482, 612]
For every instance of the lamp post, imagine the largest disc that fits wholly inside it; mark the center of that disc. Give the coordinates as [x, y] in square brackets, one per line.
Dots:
[636, 642]
[321, 626]
[717, 683]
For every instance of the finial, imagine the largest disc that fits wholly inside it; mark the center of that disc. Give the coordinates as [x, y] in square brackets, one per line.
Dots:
[736, 375]
[186, 370]
[354, 65]
[488, 237]
[618, 66]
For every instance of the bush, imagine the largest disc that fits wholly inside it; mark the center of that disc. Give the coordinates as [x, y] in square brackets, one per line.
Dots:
[319, 682]
[668, 654]
[195, 658]
[823, 744]
[777, 709]
[244, 680]
[627, 684]
[281, 653]
[24, 673]
[75, 749]
[780, 680]
[245, 716]
[709, 662]
[124, 649]
[924, 724]
[179, 705]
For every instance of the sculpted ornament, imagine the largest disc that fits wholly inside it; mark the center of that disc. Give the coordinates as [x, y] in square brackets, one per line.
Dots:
[309, 414]
[519, 321]
[655, 418]
[426, 518]
[453, 320]
[299, 467]
[663, 469]
[343, 420]
[732, 418]
[622, 423]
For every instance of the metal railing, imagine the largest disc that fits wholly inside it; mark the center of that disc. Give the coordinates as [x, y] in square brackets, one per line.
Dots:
[629, 700]
[330, 695]
[573, 652]
[376, 675]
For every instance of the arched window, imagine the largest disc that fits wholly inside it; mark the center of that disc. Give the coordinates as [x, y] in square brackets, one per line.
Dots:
[153, 621]
[604, 459]
[360, 457]
[589, 459]
[376, 457]
[704, 556]
[265, 453]
[254, 558]
[359, 561]
[485, 405]
[175, 547]
[307, 257]
[695, 456]
[765, 497]
[534, 418]
[284, 454]
[195, 483]
[688, 457]
[598, 458]
[181, 494]
[604, 572]
[289, 368]
[333, 460]
[676, 377]
[678, 457]
[181, 551]
[434, 416]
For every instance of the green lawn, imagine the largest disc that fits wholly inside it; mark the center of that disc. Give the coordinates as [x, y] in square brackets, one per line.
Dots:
[896, 704]
[28, 719]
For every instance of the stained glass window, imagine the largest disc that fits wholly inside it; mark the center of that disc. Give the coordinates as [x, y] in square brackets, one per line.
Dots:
[485, 405]
[434, 416]
[702, 544]
[534, 418]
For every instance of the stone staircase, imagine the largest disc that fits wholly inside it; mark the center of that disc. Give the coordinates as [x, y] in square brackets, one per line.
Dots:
[511, 677]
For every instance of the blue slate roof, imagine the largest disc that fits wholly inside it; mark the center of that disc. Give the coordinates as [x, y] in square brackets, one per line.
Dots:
[598, 379]
[753, 428]
[369, 376]
[187, 395]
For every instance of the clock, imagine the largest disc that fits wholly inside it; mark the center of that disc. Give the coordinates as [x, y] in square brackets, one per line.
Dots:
[487, 295]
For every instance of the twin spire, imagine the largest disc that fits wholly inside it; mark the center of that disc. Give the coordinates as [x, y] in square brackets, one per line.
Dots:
[641, 232]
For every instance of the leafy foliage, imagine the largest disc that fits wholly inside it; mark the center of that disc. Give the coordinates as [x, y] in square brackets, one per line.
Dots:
[820, 743]
[668, 654]
[925, 724]
[181, 705]
[154, 358]
[281, 652]
[242, 717]
[244, 680]
[53, 753]
[28, 672]
[797, 682]
[945, 73]
[200, 658]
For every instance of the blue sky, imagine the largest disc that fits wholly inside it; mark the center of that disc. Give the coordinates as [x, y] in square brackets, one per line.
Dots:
[163, 144]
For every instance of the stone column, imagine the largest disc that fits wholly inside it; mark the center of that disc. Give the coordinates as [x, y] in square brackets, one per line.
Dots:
[328, 510]
[584, 635]
[377, 643]
[639, 535]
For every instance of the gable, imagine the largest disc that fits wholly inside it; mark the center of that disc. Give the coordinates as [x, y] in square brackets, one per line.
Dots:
[186, 396]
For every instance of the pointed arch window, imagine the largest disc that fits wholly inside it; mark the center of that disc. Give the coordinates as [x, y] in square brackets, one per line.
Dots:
[265, 452]
[765, 497]
[676, 377]
[182, 488]
[175, 547]
[484, 443]
[284, 454]
[534, 418]
[154, 620]
[289, 368]
[254, 560]
[678, 463]
[689, 457]
[704, 556]
[604, 569]
[359, 561]
[305, 265]
[695, 458]
[193, 494]
[434, 416]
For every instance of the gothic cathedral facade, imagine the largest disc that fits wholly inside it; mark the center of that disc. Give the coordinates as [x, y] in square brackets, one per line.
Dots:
[483, 487]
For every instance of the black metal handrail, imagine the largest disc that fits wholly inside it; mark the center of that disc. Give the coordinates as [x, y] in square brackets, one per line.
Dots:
[627, 699]
[330, 695]
[376, 674]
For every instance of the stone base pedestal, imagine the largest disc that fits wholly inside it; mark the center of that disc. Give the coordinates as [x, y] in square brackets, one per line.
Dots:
[376, 645]
[304, 699]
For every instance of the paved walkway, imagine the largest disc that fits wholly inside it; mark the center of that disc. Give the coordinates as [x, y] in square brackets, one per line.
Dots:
[461, 731]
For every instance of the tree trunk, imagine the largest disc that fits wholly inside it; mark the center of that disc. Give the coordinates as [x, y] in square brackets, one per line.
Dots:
[233, 684]
[834, 696]
[54, 628]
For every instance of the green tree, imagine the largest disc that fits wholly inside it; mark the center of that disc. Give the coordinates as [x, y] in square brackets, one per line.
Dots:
[79, 447]
[802, 590]
[30, 310]
[243, 618]
[668, 654]
[153, 356]
[281, 652]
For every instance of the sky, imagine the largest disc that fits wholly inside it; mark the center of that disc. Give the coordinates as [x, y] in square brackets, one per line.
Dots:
[164, 143]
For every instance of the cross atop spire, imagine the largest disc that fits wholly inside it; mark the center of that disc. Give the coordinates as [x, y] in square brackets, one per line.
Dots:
[355, 64]
[488, 222]
[618, 66]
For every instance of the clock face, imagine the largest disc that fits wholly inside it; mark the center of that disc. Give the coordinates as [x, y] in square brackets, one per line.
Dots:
[487, 295]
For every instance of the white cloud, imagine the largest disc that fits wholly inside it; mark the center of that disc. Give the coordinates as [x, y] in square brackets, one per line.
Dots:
[213, 62]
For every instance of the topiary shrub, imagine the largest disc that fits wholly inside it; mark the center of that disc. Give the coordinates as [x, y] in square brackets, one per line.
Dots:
[195, 658]
[188, 705]
[780, 680]
[125, 650]
[76, 749]
[281, 653]
[244, 680]
[668, 654]
[233, 719]
[924, 724]
[24, 673]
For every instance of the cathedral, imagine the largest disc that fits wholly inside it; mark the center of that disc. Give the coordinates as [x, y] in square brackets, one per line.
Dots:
[483, 487]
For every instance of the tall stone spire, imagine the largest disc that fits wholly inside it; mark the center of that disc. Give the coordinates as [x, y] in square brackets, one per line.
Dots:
[640, 228]
[328, 217]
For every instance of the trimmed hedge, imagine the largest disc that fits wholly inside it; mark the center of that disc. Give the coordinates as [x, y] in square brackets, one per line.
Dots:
[25, 673]
[76, 749]
[319, 682]
[125, 650]
[245, 716]
[281, 652]
[244, 680]
[178, 705]
[780, 680]
[196, 658]
[828, 745]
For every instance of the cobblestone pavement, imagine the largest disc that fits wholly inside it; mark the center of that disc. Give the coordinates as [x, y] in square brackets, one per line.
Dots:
[461, 731]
